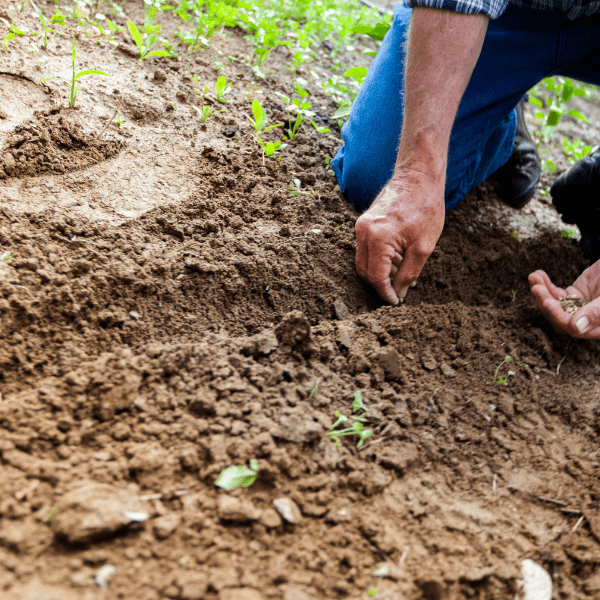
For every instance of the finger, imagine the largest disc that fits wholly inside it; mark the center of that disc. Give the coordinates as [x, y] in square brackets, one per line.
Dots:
[586, 321]
[556, 315]
[362, 259]
[397, 259]
[542, 278]
[409, 270]
[393, 270]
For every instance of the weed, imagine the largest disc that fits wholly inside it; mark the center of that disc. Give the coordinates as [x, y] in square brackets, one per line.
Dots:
[314, 390]
[7, 256]
[74, 86]
[204, 112]
[260, 127]
[13, 31]
[222, 88]
[572, 150]
[301, 111]
[567, 233]
[562, 91]
[42, 18]
[372, 592]
[357, 428]
[238, 476]
[499, 380]
[144, 45]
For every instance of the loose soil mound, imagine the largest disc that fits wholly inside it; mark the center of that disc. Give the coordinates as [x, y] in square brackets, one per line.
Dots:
[138, 360]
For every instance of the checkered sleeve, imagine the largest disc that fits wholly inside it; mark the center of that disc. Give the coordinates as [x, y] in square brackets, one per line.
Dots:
[492, 8]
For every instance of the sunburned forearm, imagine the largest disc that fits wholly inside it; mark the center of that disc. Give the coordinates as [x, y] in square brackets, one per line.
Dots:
[443, 49]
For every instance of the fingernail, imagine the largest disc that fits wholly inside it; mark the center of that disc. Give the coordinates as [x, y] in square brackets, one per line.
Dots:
[583, 324]
[413, 284]
[403, 292]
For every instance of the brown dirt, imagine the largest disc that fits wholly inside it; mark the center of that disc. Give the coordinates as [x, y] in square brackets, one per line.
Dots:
[168, 310]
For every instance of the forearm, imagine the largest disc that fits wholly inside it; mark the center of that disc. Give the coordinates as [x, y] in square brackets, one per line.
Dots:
[443, 49]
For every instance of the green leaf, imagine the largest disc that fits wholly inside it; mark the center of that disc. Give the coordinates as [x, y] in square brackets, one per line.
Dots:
[89, 72]
[259, 114]
[358, 73]
[236, 476]
[554, 117]
[150, 41]
[567, 92]
[342, 111]
[135, 34]
[548, 166]
[363, 435]
[358, 403]
[254, 465]
[157, 53]
[221, 82]
[314, 390]
[369, 52]
[577, 115]
[535, 101]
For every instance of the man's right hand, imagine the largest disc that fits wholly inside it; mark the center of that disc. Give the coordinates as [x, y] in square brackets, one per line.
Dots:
[396, 235]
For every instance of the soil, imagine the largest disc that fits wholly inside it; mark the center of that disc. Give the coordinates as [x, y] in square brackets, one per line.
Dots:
[170, 308]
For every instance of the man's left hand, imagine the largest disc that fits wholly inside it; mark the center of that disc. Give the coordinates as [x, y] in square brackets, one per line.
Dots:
[585, 323]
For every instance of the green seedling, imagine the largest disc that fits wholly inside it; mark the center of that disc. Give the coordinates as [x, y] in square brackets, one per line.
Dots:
[302, 111]
[238, 476]
[204, 112]
[315, 389]
[260, 127]
[144, 44]
[357, 428]
[373, 592]
[222, 88]
[499, 380]
[7, 256]
[74, 86]
[562, 91]
[567, 233]
[42, 18]
[573, 151]
[12, 31]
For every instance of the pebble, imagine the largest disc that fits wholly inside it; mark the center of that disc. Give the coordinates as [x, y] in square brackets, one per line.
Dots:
[104, 575]
[90, 509]
[270, 518]
[288, 509]
[246, 593]
[536, 583]
[164, 526]
[234, 509]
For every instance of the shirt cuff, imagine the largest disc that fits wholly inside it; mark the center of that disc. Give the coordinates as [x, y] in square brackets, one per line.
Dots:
[492, 8]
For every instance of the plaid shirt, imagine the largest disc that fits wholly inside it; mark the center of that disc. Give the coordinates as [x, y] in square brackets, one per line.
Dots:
[494, 8]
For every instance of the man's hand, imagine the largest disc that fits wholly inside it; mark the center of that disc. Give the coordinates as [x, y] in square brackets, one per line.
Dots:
[397, 234]
[585, 323]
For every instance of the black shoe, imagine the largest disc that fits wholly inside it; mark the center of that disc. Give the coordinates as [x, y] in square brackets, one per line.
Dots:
[576, 196]
[516, 181]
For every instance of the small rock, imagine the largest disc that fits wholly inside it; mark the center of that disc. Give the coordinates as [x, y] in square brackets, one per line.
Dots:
[166, 525]
[429, 362]
[341, 310]
[89, 510]
[234, 509]
[246, 593]
[229, 131]
[344, 336]
[339, 515]
[288, 509]
[536, 583]
[160, 75]
[135, 315]
[293, 329]
[389, 361]
[270, 518]
[447, 370]
[104, 575]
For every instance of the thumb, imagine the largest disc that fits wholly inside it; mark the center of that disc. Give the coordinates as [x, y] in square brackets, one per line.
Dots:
[586, 321]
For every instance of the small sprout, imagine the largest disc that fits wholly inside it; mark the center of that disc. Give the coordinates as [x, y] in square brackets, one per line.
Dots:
[144, 46]
[567, 233]
[373, 592]
[7, 256]
[237, 476]
[74, 86]
[314, 390]
[499, 380]
[515, 234]
[357, 427]
[204, 112]
[222, 88]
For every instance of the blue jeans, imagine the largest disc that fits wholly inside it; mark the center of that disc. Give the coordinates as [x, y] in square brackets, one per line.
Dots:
[521, 47]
